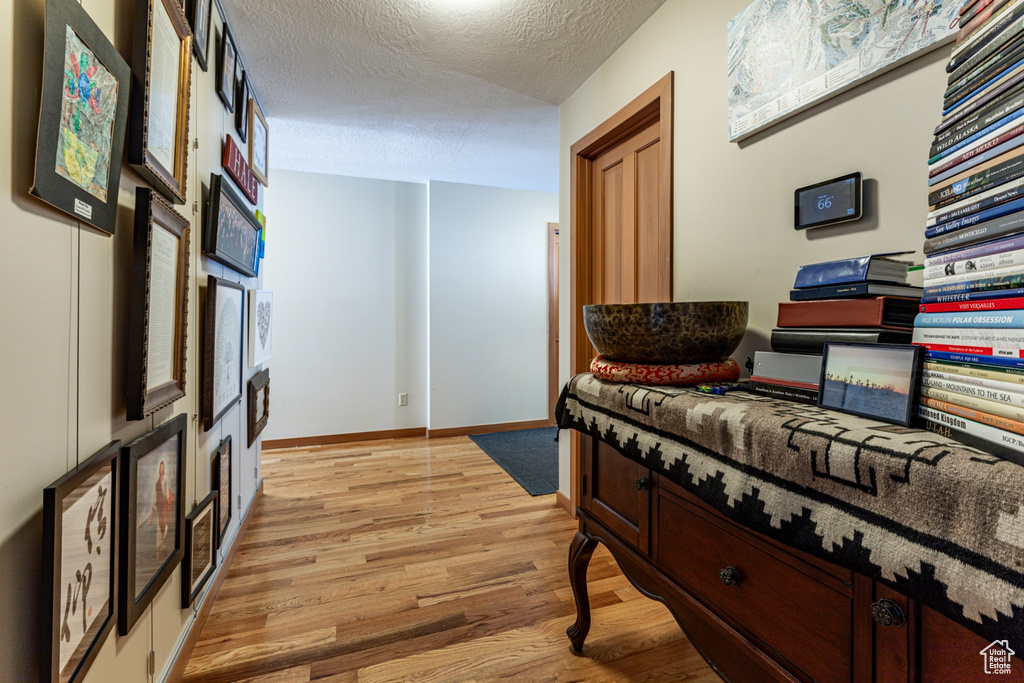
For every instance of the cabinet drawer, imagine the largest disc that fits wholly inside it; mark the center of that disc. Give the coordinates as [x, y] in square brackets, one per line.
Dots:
[803, 620]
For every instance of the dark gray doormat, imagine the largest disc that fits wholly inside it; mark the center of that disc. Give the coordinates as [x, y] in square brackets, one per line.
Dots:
[529, 455]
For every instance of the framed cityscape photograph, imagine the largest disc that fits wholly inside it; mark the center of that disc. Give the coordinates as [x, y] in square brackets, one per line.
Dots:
[259, 141]
[80, 536]
[232, 233]
[227, 56]
[222, 348]
[872, 380]
[199, 14]
[83, 114]
[162, 75]
[221, 470]
[152, 517]
[259, 404]
[261, 326]
[158, 318]
[200, 558]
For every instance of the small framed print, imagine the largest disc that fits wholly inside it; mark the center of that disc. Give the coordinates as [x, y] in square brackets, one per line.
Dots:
[221, 466]
[162, 77]
[261, 326]
[232, 234]
[242, 108]
[199, 13]
[83, 114]
[227, 58]
[259, 141]
[259, 404]
[200, 559]
[872, 380]
[158, 321]
[80, 536]
[222, 348]
[152, 518]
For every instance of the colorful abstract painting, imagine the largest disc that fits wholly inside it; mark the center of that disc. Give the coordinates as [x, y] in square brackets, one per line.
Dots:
[88, 107]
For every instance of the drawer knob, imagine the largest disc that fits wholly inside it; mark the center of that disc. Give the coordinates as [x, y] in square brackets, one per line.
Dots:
[887, 613]
[729, 576]
[640, 484]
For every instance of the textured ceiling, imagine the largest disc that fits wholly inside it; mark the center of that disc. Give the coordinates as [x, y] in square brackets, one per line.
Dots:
[454, 90]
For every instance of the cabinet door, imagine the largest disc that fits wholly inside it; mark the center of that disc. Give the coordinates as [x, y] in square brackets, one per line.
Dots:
[616, 492]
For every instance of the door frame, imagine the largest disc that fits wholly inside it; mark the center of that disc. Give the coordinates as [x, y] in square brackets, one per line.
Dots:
[653, 106]
[553, 246]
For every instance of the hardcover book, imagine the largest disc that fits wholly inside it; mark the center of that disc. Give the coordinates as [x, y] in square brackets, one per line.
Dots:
[985, 438]
[795, 367]
[987, 248]
[1007, 304]
[879, 311]
[859, 289]
[812, 339]
[1006, 226]
[786, 393]
[966, 297]
[997, 319]
[876, 267]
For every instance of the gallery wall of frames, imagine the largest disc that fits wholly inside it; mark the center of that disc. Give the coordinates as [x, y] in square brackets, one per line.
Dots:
[137, 337]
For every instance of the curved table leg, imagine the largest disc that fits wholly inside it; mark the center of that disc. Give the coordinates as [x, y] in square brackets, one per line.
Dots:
[580, 552]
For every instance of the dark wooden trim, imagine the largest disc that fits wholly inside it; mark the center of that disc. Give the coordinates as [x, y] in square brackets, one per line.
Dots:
[486, 429]
[178, 669]
[331, 439]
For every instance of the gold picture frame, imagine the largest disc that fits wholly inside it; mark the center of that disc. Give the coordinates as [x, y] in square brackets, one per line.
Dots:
[259, 142]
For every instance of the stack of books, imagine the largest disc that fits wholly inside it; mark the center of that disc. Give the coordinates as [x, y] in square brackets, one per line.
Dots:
[971, 322]
[862, 300]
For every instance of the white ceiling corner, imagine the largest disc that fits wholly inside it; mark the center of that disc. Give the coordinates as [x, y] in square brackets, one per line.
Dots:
[418, 90]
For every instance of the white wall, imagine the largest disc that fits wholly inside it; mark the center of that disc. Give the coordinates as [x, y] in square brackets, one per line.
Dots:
[348, 271]
[733, 202]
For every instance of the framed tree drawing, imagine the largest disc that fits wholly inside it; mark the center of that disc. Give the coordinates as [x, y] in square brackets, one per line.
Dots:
[259, 141]
[152, 518]
[227, 57]
[221, 466]
[200, 558]
[261, 326]
[80, 536]
[158, 320]
[83, 114]
[222, 348]
[232, 233]
[162, 77]
[199, 16]
[259, 404]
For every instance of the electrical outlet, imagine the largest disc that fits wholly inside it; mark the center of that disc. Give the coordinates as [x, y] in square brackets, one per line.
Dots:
[403, 399]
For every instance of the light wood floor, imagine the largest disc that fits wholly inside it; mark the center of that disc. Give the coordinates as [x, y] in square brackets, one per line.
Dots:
[420, 560]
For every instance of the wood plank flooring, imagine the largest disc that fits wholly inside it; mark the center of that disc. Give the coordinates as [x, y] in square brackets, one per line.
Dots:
[417, 560]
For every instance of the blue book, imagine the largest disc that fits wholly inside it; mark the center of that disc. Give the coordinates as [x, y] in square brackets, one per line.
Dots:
[980, 217]
[977, 136]
[972, 319]
[852, 290]
[876, 267]
[974, 359]
[973, 296]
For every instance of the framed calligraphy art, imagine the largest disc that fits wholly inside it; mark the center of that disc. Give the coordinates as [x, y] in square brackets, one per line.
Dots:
[200, 559]
[222, 348]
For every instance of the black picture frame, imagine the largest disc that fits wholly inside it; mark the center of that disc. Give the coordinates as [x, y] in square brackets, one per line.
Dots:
[79, 494]
[200, 17]
[220, 465]
[242, 106]
[144, 571]
[227, 58]
[152, 214]
[223, 334]
[200, 560]
[231, 234]
[258, 413]
[862, 392]
[65, 182]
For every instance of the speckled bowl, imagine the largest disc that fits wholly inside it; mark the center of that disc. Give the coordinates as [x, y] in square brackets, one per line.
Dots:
[667, 333]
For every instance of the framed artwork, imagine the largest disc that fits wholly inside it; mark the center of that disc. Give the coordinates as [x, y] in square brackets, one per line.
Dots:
[227, 58]
[83, 114]
[152, 518]
[162, 76]
[242, 105]
[872, 380]
[80, 537]
[261, 328]
[232, 234]
[222, 349]
[259, 404]
[199, 14]
[221, 466]
[200, 549]
[259, 141]
[158, 321]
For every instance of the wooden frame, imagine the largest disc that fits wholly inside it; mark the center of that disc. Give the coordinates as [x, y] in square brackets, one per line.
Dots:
[553, 244]
[165, 167]
[259, 404]
[242, 105]
[80, 141]
[655, 105]
[227, 58]
[259, 142]
[149, 502]
[261, 326]
[156, 223]
[221, 477]
[232, 233]
[200, 17]
[79, 509]
[222, 348]
[200, 560]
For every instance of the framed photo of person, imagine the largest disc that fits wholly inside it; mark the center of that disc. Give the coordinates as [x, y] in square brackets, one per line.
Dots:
[259, 404]
[222, 348]
[158, 319]
[161, 70]
[259, 141]
[199, 16]
[872, 380]
[232, 234]
[200, 559]
[152, 517]
[261, 326]
[227, 59]
[80, 536]
[221, 467]
[83, 114]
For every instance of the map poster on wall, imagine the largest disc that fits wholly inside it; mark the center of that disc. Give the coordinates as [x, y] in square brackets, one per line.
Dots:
[787, 55]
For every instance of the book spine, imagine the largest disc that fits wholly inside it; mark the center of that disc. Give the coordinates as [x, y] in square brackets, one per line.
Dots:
[1007, 319]
[1011, 416]
[1012, 388]
[994, 197]
[981, 349]
[945, 150]
[976, 183]
[978, 19]
[999, 227]
[984, 151]
[984, 158]
[992, 373]
[971, 391]
[992, 28]
[965, 123]
[1009, 304]
[787, 393]
[1009, 281]
[968, 297]
[832, 273]
[974, 219]
[978, 267]
[975, 358]
[975, 54]
[983, 60]
[994, 247]
[985, 438]
[792, 383]
[827, 292]
[971, 273]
